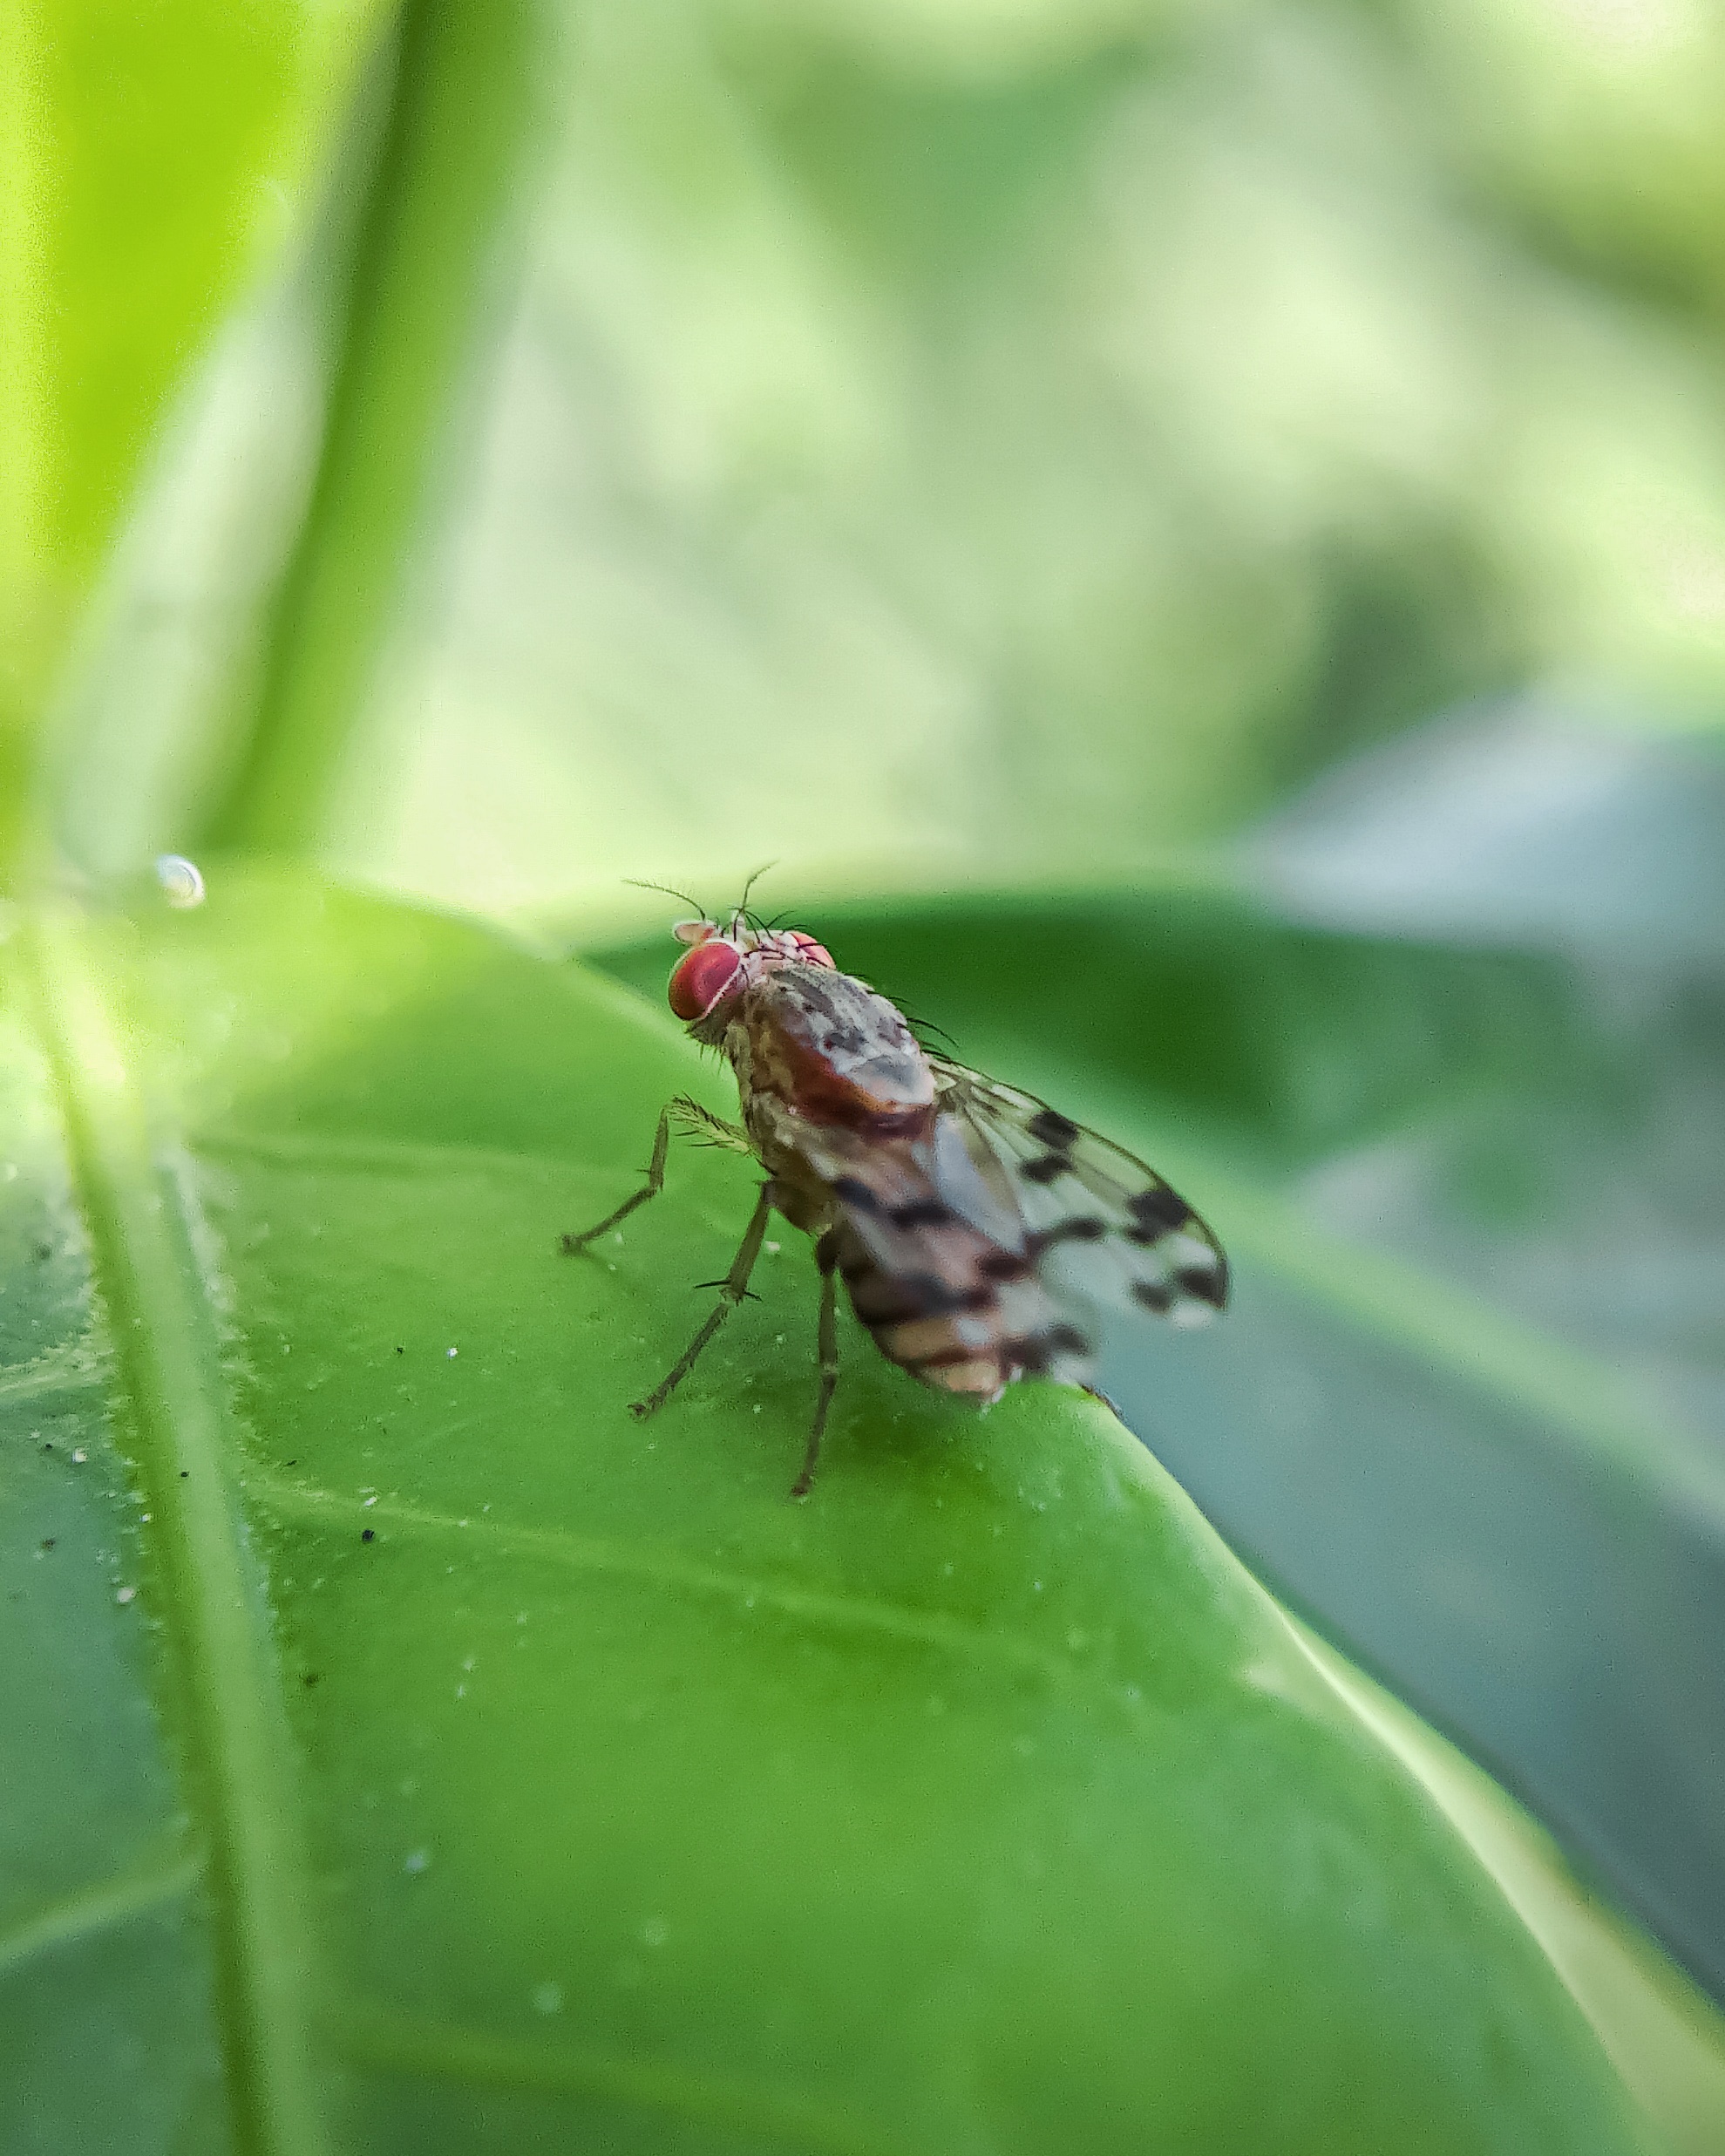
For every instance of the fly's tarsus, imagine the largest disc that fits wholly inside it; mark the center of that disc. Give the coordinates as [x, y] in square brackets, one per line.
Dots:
[572, 1245]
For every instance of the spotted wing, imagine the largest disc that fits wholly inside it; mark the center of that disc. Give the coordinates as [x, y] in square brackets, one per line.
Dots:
[1103, 1227]
[938, 1266]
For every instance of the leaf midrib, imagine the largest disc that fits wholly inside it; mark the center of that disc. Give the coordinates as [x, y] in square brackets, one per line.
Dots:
[235, 1753]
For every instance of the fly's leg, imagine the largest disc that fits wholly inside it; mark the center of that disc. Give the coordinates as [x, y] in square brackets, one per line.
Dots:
[826, 1257]
[655, 1183]
[732, 1289]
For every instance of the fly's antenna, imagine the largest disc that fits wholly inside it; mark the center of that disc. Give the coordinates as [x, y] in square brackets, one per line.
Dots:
[754, 876]
[635, 883]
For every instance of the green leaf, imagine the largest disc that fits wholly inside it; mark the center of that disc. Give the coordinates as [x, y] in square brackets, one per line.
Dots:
[421, 278]
[152, 162]
[1464, 1413]
[1030, 432]
[419, 1753]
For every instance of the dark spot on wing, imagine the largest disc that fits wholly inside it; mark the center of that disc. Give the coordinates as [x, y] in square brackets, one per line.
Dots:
[1039, 1349]
[1048, 1127]
[1081, 1227]
[920, 1212]
[1045, 1168]
[1004, 1265]
[851, 1191]
[1156, 1213]
[1155, 1294]
[1207, 1281]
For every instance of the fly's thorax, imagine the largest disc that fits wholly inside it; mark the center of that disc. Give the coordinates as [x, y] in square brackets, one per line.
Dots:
[830, 1048]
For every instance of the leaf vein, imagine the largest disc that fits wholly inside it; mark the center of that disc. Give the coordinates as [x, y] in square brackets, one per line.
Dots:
[102, 1906]
[372, 2035]
[234, 1750]
[927, 1628]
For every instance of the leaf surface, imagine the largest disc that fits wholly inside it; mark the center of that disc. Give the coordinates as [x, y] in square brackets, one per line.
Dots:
[153, 160]
[1465, 1409]
[422, 1755]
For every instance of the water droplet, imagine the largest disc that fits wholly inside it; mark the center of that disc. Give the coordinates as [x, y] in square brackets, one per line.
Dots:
[182, 880]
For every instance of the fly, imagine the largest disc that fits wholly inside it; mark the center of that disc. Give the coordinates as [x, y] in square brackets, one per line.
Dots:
[976, 1229]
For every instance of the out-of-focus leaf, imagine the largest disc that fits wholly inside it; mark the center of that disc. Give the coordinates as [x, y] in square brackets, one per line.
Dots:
[151, 162]
[268, 561]
[944, 445]
[420, 1754]
[1529, 827]
[1466, 1411]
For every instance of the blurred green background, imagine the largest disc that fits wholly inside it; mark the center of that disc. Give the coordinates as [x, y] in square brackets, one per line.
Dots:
[1194, 538]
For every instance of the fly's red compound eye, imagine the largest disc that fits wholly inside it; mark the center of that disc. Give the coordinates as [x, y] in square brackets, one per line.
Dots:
[808, 950]
[698, 981]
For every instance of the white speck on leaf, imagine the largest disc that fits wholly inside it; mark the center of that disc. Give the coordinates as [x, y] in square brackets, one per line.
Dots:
[79, 1456]
[451, 1353]
[126, 1594]
[548, 1999]
[656, 1931]
[416, 1861]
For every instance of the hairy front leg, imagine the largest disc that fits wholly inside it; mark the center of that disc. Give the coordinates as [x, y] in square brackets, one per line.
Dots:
[732, 1288]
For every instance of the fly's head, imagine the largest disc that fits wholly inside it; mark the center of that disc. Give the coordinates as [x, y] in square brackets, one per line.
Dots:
[723, 960]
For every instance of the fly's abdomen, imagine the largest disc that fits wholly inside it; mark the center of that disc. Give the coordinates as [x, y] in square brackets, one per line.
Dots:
[969, 1323]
